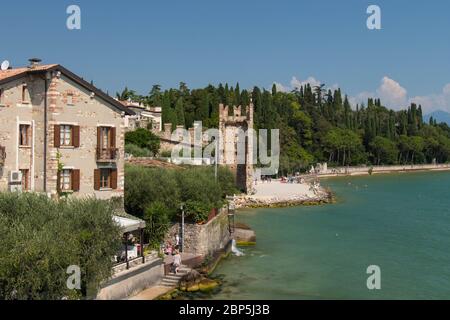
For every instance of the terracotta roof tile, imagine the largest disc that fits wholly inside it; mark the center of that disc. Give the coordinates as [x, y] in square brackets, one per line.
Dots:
[17, 71]
[11, 74]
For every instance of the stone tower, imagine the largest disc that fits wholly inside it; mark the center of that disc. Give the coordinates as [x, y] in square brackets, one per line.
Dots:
[234, 140]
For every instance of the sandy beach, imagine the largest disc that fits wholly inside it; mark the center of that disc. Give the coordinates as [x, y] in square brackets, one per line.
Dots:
[278, 194]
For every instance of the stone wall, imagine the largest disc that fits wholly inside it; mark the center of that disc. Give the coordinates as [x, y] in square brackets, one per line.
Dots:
[130, 282]
[203, 239]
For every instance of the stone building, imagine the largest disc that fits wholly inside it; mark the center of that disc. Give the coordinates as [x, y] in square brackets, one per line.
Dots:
[58, 133]
[232, 143]
[144, 116]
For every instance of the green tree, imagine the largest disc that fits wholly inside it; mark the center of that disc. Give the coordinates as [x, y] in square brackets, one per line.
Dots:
[384, 151]
[41, 238]
[143, 138]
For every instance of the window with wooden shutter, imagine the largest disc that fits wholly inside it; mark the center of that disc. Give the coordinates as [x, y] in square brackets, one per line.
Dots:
[113, 178]
[97, 179]
[76, 136]
[57, 136]
[65, 135]
[65, 180]
[75, 180]
[99, 138]
[25, 135]
[113, 138]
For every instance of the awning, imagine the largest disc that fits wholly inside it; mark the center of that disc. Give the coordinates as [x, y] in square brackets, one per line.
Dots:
[129, 225]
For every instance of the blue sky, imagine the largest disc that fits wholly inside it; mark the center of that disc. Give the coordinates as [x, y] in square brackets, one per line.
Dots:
[255, 42]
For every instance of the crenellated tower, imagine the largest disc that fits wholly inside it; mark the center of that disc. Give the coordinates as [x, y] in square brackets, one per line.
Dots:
[236, 145]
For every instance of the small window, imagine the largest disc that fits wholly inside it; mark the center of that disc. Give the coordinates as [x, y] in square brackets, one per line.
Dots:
[65, 135]
[1, 95]
[65, 180]
[25, 179]
[24, 93]
[70, 99]
[24, 135]
[105, 178]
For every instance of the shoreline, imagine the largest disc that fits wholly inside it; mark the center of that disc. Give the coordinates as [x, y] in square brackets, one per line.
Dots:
[364, 171]
[279, 195]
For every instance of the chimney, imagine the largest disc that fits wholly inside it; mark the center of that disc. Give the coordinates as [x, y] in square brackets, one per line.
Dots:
[34, 62]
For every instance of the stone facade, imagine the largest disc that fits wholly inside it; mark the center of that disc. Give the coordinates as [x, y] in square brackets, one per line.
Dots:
[45, 100]
[144, 117]
[230, 141]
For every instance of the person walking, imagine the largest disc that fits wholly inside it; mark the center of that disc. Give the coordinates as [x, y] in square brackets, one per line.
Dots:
[176, 261]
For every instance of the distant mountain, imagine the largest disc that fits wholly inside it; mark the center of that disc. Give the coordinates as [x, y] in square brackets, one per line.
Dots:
[439, 115]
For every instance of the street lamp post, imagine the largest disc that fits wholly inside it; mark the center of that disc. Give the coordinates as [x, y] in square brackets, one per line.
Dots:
[182, 227]
[216, 160]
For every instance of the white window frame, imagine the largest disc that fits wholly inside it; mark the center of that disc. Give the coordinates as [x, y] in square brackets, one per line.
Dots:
[65, 183]
[65, 135]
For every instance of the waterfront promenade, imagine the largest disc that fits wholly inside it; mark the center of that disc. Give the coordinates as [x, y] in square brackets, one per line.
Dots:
[366, 170]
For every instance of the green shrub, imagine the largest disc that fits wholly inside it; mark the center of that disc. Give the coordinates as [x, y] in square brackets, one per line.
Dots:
[143, 186]
[197, 211]
[157, 219]
[41, 238]
[137, 151]
[200, 191]
[196, 187]
[144, 139]
[165, 154]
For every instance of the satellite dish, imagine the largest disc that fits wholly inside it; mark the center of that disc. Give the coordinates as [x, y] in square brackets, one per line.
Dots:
[5, 65]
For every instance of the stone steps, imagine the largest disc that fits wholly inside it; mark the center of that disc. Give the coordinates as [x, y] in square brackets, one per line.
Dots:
[172, 279]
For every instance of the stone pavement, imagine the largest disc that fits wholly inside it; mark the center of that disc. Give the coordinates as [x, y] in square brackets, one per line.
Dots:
[151, 293]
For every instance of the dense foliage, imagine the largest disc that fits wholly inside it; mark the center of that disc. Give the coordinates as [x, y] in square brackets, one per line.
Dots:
[41, 238]
[156, 194]
[141, 143]
[315, 125]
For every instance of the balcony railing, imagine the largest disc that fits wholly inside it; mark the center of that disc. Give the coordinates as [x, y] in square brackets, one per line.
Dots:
[107, 154]
[2, 156]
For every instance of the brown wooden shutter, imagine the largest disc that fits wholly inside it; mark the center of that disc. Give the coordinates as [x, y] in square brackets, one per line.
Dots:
[99, 138]
[113, 178]
[76, 136]
[76, 180]
[113, 138]
[97, 179]
[57, 136]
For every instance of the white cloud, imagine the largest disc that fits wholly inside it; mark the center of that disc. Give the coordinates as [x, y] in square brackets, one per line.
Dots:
[360, 98]
[280, 87]
[391, 93]
[433, 102]
[297, 84]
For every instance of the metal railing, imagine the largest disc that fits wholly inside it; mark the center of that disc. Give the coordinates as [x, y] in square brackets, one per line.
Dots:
[107, 154]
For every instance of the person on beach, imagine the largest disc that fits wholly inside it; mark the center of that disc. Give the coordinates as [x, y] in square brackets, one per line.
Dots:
[176, 261]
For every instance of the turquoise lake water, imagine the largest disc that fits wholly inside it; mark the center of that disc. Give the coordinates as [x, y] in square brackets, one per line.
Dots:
[399, 222]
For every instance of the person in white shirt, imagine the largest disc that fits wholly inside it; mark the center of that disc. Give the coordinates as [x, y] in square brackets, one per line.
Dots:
[176, 261]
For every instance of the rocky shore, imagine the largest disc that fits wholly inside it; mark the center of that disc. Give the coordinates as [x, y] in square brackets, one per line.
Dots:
[277, 194]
